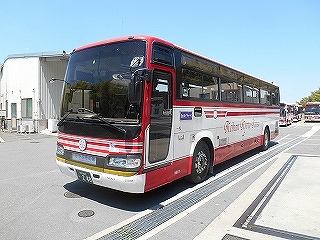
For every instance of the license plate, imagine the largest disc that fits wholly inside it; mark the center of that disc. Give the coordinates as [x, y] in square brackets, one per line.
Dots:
[84, 176]
[84, 158]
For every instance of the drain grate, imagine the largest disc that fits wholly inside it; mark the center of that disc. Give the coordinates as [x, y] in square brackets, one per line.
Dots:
[231, 237]
[71, 195]
[79, 194]
[143, 225]
[86, 213]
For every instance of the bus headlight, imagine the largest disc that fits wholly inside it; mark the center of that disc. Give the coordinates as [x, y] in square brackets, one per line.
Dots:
[125, 162]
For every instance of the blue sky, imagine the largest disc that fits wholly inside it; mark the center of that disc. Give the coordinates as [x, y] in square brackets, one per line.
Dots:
[276, 40]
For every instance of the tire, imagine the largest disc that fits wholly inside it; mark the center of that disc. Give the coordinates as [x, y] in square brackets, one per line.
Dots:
[200, 163]
[266, 140]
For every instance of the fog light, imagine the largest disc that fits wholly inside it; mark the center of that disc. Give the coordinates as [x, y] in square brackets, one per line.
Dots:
[60, 150]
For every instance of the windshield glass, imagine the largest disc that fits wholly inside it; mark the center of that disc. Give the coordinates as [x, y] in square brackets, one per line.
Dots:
[97, 83]
[312, 110]
[282, 112]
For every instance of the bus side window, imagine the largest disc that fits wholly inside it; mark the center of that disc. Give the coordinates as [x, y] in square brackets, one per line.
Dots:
[210, 86]
[265, 97]
[198, 85]
[231, 91]
[251, 94]
[191, 85]
[275, 98]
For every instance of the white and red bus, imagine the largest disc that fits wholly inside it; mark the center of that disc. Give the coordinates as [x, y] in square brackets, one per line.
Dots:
[139, 112]
[297, 111]
[286, 114]
[312, 112]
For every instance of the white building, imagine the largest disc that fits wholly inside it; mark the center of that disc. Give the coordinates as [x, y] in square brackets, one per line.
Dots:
[28, 100]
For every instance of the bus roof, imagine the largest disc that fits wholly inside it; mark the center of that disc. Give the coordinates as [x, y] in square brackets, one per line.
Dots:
[312, 103]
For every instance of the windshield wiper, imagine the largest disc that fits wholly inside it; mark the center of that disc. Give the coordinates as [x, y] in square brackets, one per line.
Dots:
[102, 120]
[85, 110]
[96, 116]
[64, 117]
[62, 120]
[90, 116]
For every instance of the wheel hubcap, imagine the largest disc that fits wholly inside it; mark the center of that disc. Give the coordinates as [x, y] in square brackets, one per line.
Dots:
[201, 162]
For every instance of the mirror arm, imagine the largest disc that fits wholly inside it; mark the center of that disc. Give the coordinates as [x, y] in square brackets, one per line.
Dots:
[146, 74]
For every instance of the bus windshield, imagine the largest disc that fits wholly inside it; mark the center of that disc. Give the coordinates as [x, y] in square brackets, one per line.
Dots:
[283, 112]
[312, 110]
[97, 84]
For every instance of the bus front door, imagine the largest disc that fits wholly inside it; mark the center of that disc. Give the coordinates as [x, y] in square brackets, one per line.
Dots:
[160, 151]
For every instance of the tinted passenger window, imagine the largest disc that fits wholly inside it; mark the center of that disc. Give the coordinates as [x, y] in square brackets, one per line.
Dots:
[210, 87]
[265, 97]
[191, 84]
[198, 85]
[275, 98]
[251, 94]
[231, 91]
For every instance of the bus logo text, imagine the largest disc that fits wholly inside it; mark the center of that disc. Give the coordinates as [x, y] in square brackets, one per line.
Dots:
[242, 126]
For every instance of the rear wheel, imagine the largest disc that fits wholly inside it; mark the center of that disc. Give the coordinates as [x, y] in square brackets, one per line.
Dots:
[266, 140]
[200, 163]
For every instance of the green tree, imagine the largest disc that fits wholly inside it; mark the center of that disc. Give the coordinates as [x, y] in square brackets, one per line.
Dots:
[313, 97]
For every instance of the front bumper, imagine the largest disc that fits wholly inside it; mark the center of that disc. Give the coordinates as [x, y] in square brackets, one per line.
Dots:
[132, 184]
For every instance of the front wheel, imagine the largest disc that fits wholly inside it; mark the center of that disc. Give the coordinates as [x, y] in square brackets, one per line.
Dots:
[266, 140]
[200, 163]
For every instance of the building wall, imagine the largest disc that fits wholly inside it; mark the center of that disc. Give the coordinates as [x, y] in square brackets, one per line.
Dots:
[25, 87]
[19, 81]
[50, 93]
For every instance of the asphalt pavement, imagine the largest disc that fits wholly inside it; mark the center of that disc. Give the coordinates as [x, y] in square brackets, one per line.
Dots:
[267, 195]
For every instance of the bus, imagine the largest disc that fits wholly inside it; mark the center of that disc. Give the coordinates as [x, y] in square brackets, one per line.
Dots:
[297, 111]
[312, 112]
[286, 114]
[140, 112]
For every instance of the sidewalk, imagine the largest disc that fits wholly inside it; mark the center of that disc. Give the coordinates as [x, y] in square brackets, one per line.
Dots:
[10, 135]
[288, 208]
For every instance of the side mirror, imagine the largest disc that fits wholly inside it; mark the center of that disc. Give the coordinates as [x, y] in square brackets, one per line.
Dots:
[147, 75]
[136, 83]
[135, 89]
[143, 74]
